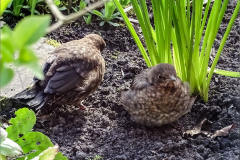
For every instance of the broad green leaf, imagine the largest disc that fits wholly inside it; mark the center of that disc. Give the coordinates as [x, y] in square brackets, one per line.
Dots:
[7, 45]
[6, 75]
[48, 154]
[21, 124]
[10, 148]
[30, 30]
[3, 134]
[34, 141]
[30, 156]
[27, 55]
[3, 157]
[60, 156]
[28, 58]
[4, 4]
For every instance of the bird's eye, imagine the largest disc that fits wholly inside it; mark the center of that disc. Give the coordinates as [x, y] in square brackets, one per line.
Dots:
[160, 77]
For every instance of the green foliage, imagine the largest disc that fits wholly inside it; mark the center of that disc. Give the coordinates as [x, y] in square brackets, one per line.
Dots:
[60, 156]
[49, 153]
[18, 5]
[4, 5]
[107, 14]
[176, 37]
[87, 17]
[22, 124]
[34, 142]
[27, 32]
[8, 147]
[97, 157]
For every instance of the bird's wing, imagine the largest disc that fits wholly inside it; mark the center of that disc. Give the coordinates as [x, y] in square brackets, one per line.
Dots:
[140, 81]
[46, 66]
[76, 75]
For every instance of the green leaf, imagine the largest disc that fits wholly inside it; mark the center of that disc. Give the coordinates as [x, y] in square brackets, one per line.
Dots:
[57, 2]
[3, 134]
[102, 23]
[21, 124]
[30, 156]
[226, 73]
[88, 19]
[62, 8]
[82, 5]
[8, 11]
[97, 13]
[10, 148]
[30, 30]
[113, 24]
[28, 58]
[34, 141]
[6, 76]
[4, 4]
[7, 45]
[2, 157]
[17, 5]
[109, 9]
[27, 55]
[49, 154]
[33, 6]
[60, 156]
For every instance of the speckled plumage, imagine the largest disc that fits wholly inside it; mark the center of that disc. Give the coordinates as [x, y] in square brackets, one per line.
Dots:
[157, 96]
[73, 71]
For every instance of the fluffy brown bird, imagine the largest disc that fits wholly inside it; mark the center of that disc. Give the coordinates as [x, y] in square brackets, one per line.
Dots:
[73, 71]
[157, 96]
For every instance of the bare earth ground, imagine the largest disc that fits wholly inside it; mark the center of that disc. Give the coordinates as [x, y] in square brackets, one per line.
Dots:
[108, 131]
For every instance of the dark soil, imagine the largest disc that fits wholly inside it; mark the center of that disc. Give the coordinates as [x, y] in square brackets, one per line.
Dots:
[108, 131]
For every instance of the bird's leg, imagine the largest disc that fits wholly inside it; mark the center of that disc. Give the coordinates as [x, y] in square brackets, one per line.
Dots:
[82, 107]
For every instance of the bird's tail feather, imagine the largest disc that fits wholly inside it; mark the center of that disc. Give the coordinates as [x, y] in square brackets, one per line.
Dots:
[34, 97]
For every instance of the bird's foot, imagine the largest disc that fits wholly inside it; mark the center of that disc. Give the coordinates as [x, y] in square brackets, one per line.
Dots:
[86, 108]
[82, 107]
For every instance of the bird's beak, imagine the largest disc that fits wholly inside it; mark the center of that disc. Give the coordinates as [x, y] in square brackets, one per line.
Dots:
[172, 78]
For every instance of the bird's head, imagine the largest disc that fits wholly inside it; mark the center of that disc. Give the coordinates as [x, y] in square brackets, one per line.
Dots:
[163, 74]
[97, 41]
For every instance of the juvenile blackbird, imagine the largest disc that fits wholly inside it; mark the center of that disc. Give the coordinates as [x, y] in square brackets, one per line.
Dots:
[157, 96]
[73, 71]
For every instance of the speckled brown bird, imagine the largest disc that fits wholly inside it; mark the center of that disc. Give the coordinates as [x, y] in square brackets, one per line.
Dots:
[73, 71]
[157, 96]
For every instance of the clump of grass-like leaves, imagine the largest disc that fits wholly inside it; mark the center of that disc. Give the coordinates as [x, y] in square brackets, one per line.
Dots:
[176, 37]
